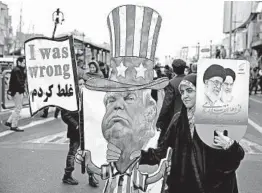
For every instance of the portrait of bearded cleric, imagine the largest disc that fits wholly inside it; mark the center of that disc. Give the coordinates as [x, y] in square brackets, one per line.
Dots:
[213, 79]
[128, 120]
[227, 87]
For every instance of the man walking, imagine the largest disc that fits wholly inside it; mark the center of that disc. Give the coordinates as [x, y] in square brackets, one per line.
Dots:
[17, 90]
[172, 102]
[223, 52]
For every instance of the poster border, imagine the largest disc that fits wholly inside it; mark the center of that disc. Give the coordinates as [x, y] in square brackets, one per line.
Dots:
[73, 60]
[81, 129]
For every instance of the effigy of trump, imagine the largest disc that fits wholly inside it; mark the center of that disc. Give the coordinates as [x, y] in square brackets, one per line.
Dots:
[130, 112]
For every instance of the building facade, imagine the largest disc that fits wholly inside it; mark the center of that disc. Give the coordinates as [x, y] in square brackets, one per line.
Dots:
[6, 31]
[246, 28]
[86, 49]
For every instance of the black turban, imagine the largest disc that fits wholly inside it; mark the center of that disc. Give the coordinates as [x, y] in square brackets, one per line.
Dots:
[213, 71]
[230, 72]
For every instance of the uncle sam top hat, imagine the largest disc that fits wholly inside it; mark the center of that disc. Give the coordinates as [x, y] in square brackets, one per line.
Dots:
[133, 35]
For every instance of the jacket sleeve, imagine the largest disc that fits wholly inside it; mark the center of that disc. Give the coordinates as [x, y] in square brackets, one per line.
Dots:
[167, 110]
[11, 81]
[231, 158]
[69, 119]
[19, 81]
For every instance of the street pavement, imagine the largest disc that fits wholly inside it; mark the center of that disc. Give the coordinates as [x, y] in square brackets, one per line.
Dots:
[34, 160]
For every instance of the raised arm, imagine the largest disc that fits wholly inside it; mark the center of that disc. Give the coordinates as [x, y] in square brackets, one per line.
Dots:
[230, 159]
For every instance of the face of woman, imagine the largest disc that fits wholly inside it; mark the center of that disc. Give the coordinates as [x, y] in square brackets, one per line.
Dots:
[81, 83]
[188, 96]
[92, 68]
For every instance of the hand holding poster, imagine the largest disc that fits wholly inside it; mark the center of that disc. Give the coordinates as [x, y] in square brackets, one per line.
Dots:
[51, 73]
[222, 99]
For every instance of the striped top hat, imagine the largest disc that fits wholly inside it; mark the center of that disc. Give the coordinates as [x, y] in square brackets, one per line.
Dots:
[133, 35]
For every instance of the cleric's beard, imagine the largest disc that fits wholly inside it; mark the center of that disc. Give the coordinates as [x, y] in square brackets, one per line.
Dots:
[226, 96]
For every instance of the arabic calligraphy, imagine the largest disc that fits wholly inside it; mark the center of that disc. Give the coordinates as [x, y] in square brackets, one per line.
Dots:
[38, 93]
[67, 91]
[49, 94]
[225, 109]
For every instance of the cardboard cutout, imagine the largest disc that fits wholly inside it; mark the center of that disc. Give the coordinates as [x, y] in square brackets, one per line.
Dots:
[51, 73]
[122, 121]
[222, 99]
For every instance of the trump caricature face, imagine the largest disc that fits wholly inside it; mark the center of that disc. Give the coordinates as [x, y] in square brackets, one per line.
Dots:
[127, 122]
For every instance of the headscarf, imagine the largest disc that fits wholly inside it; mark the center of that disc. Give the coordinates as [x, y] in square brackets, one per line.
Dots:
[190, 81]
[98, 71]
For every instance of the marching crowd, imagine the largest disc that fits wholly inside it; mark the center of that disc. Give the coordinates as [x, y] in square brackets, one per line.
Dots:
[199, 168]
[255, 80]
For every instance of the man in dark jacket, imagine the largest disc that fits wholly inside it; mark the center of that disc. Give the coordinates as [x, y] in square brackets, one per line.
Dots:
[17, 90]
[72, 120]
[172, 102]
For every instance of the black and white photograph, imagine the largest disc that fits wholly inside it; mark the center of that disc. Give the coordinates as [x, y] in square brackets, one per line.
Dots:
[127, 96]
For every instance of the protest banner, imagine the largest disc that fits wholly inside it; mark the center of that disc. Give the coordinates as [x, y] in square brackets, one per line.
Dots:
[51, 73]
[222, 99]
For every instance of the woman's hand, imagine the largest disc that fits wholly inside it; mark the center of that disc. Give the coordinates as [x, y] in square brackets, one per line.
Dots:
[222, 141]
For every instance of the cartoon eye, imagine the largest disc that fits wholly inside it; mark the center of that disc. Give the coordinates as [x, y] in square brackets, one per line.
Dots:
[110, 100]
[130, 97]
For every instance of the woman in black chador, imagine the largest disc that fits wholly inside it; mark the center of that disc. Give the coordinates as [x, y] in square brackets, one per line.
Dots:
[196, 167]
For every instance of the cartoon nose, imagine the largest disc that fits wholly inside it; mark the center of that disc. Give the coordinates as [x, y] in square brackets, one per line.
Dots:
[119, 104]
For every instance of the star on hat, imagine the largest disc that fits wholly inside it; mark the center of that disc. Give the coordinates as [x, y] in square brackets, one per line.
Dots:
[140, 71]
[121, 70]
[134, 34]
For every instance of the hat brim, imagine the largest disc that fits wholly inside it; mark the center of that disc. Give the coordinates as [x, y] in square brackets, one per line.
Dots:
[106, 85]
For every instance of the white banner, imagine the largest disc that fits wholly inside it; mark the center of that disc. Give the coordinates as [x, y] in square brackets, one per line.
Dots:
[51, 73]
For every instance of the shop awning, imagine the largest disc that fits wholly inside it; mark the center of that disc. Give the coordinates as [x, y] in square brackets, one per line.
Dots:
[256, 44]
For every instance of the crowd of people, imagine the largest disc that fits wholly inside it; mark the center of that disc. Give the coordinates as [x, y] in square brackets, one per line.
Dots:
[168, 71]
[195, 166]
[255, 82]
